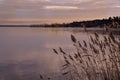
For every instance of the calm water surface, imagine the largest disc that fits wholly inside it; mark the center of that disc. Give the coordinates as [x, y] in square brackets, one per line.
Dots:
[27, 52]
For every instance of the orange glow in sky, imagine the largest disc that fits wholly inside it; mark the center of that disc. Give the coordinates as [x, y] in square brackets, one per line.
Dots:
[55, 11]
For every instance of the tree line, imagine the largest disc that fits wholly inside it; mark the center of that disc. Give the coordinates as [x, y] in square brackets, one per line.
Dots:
[113, 22]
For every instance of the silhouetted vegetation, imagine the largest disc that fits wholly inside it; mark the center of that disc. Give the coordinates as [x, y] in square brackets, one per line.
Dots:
[113, 22]
[96, 59]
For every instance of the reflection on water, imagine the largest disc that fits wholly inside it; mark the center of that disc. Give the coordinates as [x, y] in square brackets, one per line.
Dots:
[27, 52]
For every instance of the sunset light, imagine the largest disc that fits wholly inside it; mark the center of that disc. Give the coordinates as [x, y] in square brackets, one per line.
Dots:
[54, 9]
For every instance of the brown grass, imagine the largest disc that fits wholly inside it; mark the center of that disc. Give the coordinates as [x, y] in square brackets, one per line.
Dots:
[98, 59]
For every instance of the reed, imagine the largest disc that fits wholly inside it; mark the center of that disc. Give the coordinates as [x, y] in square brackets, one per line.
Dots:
[97, 59]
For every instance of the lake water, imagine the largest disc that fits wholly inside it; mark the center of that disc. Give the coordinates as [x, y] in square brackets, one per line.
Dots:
[25, 53]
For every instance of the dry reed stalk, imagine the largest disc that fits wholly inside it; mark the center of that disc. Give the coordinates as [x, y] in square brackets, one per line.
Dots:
[98, 59]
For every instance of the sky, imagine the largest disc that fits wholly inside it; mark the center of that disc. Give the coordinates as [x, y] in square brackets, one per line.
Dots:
[56, 11]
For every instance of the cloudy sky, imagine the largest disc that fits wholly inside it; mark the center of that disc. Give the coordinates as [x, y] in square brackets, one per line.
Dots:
[55, 11]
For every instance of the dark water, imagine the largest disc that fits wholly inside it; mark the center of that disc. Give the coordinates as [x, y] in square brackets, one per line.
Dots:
[27, 52]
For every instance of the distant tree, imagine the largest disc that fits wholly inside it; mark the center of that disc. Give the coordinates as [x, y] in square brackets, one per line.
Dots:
[111, 22]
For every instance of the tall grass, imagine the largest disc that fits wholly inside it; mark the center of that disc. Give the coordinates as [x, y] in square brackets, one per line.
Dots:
[96, 59]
